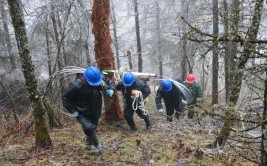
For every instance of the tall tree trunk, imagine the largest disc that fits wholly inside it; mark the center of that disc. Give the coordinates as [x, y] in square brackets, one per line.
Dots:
[184, 42]
[227, 50]
[103, 52]
[237, 75]
[215, 62]
[159, 41]
[42, 137]
[11, 55]
[264, 130]
[138, 38]
[48, 49]
[114, 23]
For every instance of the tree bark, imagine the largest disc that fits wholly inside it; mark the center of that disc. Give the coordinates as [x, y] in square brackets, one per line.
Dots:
[215, 62]
[138, 38]
[42, 137]
[103, 52]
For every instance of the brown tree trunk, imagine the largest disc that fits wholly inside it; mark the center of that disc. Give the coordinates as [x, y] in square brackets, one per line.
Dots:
[42, 137]
[103, 52]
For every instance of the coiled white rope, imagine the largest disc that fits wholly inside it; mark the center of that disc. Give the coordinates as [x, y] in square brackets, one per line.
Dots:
[139, 104]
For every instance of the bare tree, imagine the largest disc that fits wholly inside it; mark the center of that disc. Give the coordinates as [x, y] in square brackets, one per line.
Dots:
[184, 42]
[42, 137]
[114, 23]
[159, 39]
[138, 38]
[215, 62]
[227, 49]
[7, 37]
[238, 72]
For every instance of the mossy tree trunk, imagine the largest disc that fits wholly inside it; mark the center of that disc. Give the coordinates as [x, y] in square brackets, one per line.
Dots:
[42, 137]
[238, 72]
[103, 52]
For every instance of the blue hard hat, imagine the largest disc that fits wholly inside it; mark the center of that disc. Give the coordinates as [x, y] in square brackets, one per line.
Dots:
[166, 85]
[93, 76]
[128, 79]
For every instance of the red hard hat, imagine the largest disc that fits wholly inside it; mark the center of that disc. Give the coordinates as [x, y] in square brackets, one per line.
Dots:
[190, 78]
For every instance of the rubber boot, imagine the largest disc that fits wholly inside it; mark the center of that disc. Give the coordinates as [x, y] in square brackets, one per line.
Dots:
[169, 118]
[190, 113]
[148, 124]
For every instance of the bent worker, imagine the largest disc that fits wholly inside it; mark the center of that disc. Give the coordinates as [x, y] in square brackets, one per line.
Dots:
[83, 99]
[135, 92]
[172, 97]
[196, 93]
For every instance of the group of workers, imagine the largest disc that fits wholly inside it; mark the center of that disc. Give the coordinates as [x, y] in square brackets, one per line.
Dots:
[83, 100]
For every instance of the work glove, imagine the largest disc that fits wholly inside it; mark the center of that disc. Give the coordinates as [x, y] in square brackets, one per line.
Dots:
[136, 93]
[109, 93]
[146, 100]
[184, 102]
[161, 111]
[75, 114]
[199, 100]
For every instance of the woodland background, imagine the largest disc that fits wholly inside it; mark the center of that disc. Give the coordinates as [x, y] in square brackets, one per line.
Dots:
[223, 42]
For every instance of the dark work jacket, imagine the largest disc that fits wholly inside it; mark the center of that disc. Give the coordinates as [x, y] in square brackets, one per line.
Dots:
[139, 85]
[171, 99]
[81, 97]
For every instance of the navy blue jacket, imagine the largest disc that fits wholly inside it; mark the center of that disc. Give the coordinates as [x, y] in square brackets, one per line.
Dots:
[81, 97]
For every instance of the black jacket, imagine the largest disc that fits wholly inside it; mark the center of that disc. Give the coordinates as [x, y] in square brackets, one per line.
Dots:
[139, 85]
[81, 97]
[172, 98]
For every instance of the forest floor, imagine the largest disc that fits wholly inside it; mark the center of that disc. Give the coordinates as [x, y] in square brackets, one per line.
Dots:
[180, 143]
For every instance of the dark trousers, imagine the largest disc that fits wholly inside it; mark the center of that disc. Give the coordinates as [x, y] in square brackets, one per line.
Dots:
[128, 114]
[89, 125]
[170, 109]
